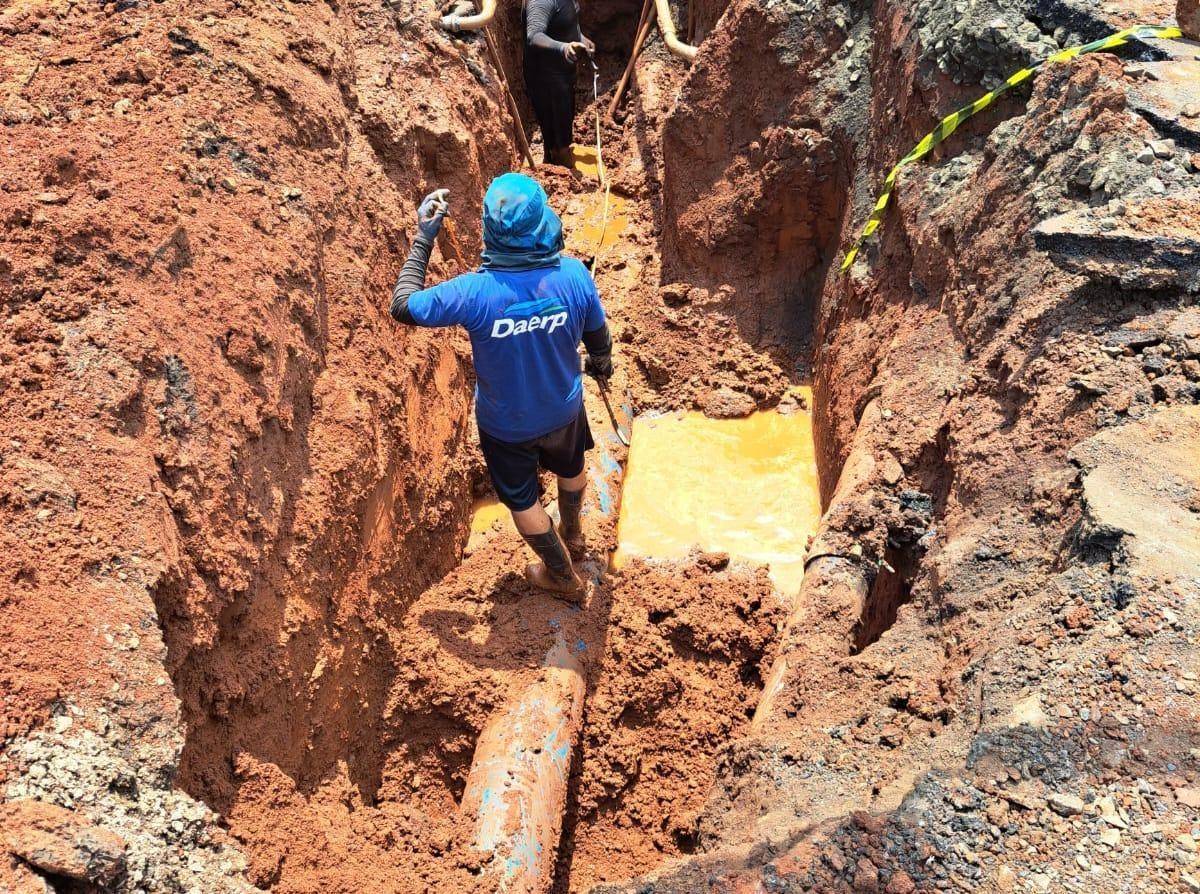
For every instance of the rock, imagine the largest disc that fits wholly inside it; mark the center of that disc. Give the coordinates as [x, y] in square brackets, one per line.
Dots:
[725, 403]
[1065, 805]
[1187, 14]
[1039, 881]
[1145, 156]
[61, 842]
[675, 294]
[51, 198]
[1191, 110]
[1189, 881]
[1111, 837]
[1006, 878]
[835, 859]
[1186, 842]
[1157, 250]
[1188, 797]
[890, 469]
[1028, 711]
[866, 876]
[147, 66]
[122, 106]
[1162, 148]
[900, 883]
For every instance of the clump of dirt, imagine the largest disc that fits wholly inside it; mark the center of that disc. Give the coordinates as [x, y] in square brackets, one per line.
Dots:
[685, 652]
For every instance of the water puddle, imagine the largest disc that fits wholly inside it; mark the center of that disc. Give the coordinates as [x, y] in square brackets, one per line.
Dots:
[747, 487]
[488, 516]
[591, 232]
[583, 160]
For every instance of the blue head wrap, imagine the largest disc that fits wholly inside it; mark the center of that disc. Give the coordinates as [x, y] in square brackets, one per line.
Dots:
[520, 232]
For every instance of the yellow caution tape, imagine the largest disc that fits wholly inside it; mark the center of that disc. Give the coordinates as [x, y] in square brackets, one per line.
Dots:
[950, 123]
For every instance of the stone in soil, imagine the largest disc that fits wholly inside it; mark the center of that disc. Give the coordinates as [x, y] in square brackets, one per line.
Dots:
[61, 842]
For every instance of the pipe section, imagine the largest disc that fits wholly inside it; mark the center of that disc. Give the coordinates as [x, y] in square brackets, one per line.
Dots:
[517, 787]
[834, 590]
[666, 25]
[487, 11]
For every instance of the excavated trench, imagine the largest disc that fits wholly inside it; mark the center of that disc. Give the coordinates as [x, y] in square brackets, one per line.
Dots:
[361, 717]
[215, 433]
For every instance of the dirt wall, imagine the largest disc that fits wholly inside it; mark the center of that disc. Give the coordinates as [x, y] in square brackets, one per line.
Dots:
[210, 423]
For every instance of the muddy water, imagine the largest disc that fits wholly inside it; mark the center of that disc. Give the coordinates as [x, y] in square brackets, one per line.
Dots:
[594, 228]
[485, 513]
[747, 487]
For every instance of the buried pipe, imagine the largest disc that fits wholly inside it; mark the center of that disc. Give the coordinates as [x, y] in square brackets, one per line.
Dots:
[517, 788]
[667, 26]
[833, 593]
[453, 22]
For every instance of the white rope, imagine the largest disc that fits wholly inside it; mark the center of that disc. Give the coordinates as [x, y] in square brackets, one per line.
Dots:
[601, 172]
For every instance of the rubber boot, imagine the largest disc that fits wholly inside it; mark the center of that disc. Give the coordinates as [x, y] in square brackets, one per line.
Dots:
[570, 505]
[554, 572]
[563, 157]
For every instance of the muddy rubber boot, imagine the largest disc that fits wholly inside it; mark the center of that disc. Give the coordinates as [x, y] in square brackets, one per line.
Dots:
[570, 505]
[563, 157]
[554, 572]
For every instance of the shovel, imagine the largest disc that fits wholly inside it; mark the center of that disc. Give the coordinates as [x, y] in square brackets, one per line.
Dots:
[622, 436]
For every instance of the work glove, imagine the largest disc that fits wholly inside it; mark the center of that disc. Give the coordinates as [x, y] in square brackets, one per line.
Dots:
[599, 366]
[433, 208]
[571, 49]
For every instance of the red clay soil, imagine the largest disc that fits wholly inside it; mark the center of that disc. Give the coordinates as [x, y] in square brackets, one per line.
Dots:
[686, 649]
[210, 426]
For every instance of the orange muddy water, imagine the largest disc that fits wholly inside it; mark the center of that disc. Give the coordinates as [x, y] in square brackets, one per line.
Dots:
[747, 487]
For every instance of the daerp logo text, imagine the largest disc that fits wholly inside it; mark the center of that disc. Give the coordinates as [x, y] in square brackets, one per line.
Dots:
[503, 327]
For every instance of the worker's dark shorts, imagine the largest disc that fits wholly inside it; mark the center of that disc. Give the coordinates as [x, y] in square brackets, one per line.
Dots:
[514, 467]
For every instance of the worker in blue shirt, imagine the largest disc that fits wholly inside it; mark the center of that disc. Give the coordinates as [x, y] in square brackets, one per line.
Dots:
[526, 310]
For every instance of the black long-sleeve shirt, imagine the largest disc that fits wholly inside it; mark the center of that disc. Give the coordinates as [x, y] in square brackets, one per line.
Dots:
[549, 24]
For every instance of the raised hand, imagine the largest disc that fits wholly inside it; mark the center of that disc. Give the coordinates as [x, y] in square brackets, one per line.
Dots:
[432, 209]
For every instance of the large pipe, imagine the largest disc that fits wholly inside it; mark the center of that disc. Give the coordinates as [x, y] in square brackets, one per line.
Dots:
[487, 11]
[517, 787]
[834, 590]
[667, 26]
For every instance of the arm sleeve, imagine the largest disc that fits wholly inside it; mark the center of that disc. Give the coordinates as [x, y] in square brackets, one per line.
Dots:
[537, 19]
[411, 279]
[598, 341]
[596, 337]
